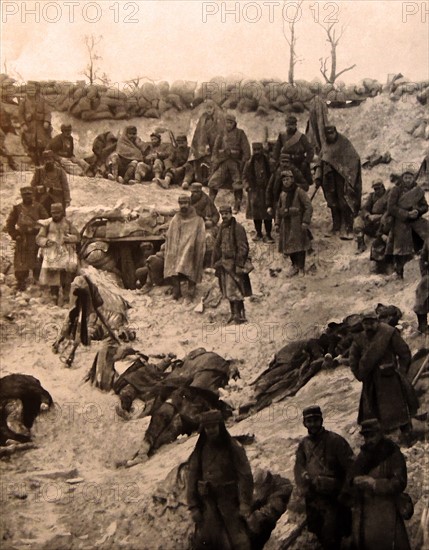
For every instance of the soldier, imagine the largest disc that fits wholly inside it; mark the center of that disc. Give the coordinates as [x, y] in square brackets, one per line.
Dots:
[185, 248]
[50, 183]
[230, 154]
[58, 238]
[297, 146]
[153, 165]
[421, 306]
[339, 174]
[210, 124]
[369, 218]
[378, 479]
[130, 151]
[35, 119]
[256, 178]
[220, 488]
[231, 262]
[293, 217]
[103, 146]
[62, 146]
[22, 226]
[322, 461]
[177, 167]
[407, 205]
[380, 359]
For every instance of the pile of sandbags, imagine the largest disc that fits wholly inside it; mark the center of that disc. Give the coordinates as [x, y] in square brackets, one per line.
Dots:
[419, 128]
[399, 86]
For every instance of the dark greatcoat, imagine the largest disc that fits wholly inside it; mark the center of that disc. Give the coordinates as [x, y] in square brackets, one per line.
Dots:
[326, 458]
[206, 208]
[293, 237]
[300, 150]
[34, 112]
[274, 187]
[377, 524]
[257, 175]
[400, 203]
[421, 305]
[231, 250]
[22, 222]
[220, 482]
[386, 393]
[55, 186]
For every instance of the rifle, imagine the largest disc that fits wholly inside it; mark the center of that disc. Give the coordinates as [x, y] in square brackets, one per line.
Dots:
[420, 371]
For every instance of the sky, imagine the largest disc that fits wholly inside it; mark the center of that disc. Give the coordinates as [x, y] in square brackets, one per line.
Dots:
[197, 40]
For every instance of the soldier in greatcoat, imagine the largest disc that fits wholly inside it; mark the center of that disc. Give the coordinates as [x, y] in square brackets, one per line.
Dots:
[322, 461]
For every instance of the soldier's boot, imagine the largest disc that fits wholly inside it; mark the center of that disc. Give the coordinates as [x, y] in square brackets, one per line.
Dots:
[164, 183]
[157, 176]
[213, 194]
[192, 288]
[237, 320]
[55, 294]
[422, 323]
[361, 246]
[232, 308]
[242, 312]
[176, 288]
[238, 196]
[129, 173]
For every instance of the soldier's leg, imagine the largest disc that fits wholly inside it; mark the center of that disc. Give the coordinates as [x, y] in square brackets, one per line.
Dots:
[346, 213]
[330, 193]
[268, 224]
[21, 279]
[189, 176]
[175, 282]
[130, 172]
[143, 172]
[359, 231]
[258, 228]
[158, 169]
[192, 288]
[237, 184]
[213, 194]
[113, 167]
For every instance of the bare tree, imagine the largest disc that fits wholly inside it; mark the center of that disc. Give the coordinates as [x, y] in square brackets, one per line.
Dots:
[291, 40]
[333, 40]
[91, 70]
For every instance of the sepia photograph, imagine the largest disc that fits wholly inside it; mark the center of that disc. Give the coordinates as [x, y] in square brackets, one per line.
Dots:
[214, 275]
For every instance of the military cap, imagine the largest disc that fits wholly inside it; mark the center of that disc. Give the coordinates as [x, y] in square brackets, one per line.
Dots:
[257, 144]
[225, 208]
[376, 183]
[211, 417]
[156, 134]
[57, 207]
[369, 314]
[182, 137]
[372, 425]
[196, 186]
[292, 119]
[408, 172]
[285, 155]
[231, 116]
[48, 154]
[27, 190]
[286, 173]
[184, 198]
[65, 127]
[313, 410]
[330, 127]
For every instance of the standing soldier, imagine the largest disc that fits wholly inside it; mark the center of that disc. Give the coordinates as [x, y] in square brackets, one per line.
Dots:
[231, 262]
[339, 174]
[184, 248]
[35, 119]
[293, 217]
[50, 183]
[22, 226]
[369, 219]
[380, 359]
[378, 479]
[220, 488]
[231, 152]
[297, 146]
[322, 461]
[256, 177]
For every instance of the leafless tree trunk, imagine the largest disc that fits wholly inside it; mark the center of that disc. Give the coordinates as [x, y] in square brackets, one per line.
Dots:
[91, 70]
[333, 40]
[291, 40]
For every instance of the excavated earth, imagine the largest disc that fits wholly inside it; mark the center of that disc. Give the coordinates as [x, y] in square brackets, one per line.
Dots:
[66, 492]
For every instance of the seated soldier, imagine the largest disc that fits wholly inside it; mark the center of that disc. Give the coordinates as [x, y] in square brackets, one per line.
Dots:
[152, 272]
[153, 164]
[130, 151]
[103, 146]
[369, 218]
[62, 146]
[177, 165]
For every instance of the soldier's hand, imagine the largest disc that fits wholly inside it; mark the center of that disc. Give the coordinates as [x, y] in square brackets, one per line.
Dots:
[244, 511]
[197, 516]
[24, 128]
[208, 224]
[318, 182]
[46, 125]
[67, 203]
[304, 225]
[364, 482]
[270, 211]
[239, 270]
[413, 215]
[277, 228]
[18, 238]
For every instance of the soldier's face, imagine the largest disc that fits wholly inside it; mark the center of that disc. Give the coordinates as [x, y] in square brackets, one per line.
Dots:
[408, 180]
[132, 136]
[378, 190]
[313, 424]
[287, 181]
[57, 215]
[226, 216]
[372, 439]
[257, 151]
[331, 136]
[184, 206]
[230, 125]
[212, 431]
[370, 325]
[196, 194]
[290, 127]
[155, 141]
[182, 144]
[210, 109]
[27, 198]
